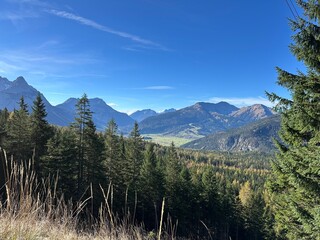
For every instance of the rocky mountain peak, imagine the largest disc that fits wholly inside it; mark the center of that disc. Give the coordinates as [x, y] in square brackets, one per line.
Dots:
[20, 81]
[4, 83]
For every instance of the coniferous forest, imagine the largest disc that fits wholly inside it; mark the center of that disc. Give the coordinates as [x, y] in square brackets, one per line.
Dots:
[216, 195]
[192, 194]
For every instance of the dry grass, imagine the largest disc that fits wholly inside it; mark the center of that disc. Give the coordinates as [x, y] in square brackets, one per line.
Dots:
[32, 210]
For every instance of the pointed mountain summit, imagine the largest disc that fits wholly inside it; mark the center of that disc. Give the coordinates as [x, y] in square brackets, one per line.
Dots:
[20, 81]
[11, 92]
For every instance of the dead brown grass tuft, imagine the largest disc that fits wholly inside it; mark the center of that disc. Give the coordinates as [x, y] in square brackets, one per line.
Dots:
[33, 210]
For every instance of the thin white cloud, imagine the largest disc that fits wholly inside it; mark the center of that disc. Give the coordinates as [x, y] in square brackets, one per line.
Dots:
[17, 16]
[242, 102]
[33, 60]
[24, 9]
[93, 24]
[48, 44]
[8, 67]
[158, 88]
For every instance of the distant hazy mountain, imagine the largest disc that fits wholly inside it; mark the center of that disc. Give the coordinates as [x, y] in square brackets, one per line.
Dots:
[252, 113]
[256, 136]
[143, 114]
[193, 121]
[11, 92]
[169, 110]
[63, 114]
[102, 113]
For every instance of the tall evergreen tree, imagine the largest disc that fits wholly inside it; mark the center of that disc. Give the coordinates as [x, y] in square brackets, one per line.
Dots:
[151, 188]
[211, 201]
[41, 131]
[135, 156]
[18, 140]
[60, 160]
[296, 171]
[173, 183]
[83, 117]
[113, 155]
[93, 158]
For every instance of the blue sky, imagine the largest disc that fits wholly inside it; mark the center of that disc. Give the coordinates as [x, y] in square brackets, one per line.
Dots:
[156, 54]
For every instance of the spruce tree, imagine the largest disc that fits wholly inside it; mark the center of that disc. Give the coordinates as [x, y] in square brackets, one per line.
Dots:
[211, 201]
[173, 183]
[114, 164]
[60, 159]
[41, 131]
[135, 156]
[18, 140]
[295, 185]
[151, 188]
[83, 117]
[93, 147]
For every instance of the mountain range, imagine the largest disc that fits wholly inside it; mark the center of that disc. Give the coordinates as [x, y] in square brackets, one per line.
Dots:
[222, 125]
[202, 119]
[62, 114]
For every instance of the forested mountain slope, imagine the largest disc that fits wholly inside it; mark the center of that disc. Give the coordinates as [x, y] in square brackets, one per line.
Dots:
[256, 136]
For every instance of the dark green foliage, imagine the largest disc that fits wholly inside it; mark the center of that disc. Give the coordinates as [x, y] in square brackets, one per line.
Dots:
[151, 188]
[134, 157]
[296, 177]
[18, 140]
[114, 158]
[4, 116]
[60, 160]
[41, 131]
[115, 165]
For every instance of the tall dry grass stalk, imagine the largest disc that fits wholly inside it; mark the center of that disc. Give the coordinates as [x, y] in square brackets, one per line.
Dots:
[33, 210]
